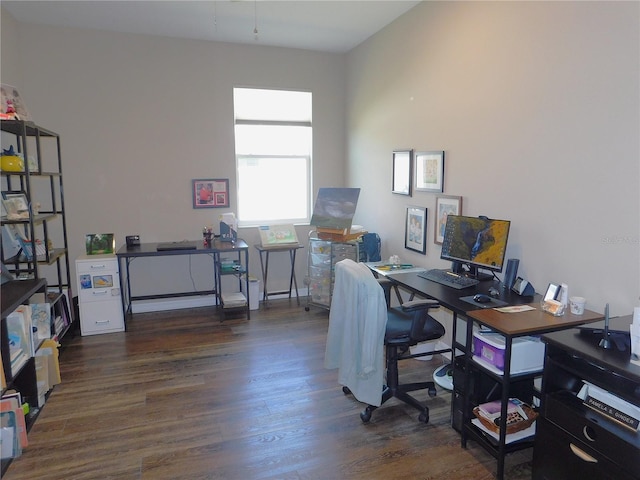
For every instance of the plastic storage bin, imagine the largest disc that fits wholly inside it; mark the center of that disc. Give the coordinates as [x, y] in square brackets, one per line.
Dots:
[527, 353]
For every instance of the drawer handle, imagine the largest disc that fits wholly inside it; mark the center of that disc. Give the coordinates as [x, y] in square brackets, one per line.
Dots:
[103, 292]
[98, 266]
[582, 454]
[588, 433]
[102, 321]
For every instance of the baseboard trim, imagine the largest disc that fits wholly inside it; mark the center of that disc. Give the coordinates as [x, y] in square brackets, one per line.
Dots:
[149, 306]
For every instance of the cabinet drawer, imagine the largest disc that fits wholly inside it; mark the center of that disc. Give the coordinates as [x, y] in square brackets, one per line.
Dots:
[320, 260]
[98, 265]
[101, 317]
[99, 295]
[619, 444]
[558, 455]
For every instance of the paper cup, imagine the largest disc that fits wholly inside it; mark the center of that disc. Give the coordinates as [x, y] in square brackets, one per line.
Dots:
[577, 305]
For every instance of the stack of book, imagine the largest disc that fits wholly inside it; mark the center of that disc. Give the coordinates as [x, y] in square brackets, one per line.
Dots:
[233, 300]
[519, 415]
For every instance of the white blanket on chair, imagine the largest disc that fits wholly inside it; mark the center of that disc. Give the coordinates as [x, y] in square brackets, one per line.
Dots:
[355, 339]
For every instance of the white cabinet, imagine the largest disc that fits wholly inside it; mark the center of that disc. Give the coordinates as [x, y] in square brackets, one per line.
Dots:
[99, 294]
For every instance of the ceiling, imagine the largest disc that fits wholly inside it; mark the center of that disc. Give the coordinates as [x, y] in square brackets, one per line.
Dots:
[324, 25]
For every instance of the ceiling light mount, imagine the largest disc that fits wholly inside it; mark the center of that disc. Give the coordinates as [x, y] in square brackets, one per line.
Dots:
[255, 20]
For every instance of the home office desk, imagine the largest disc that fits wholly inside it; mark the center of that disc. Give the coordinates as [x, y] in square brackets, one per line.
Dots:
[510, 325]
[239, 247]
[264, 265]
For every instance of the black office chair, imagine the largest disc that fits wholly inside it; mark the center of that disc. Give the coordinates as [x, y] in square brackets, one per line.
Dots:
[407, 326]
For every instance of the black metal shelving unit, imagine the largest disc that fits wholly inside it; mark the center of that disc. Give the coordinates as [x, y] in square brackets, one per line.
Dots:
[44, 183]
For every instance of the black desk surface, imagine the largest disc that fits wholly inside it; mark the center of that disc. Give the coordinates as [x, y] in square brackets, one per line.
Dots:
[450, 297]
[151, 249]
[586, 346]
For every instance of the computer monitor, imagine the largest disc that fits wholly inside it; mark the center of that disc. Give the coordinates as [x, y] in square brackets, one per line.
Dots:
[478, 242]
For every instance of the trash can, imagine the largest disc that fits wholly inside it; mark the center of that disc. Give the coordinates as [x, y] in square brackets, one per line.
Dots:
[254, 293]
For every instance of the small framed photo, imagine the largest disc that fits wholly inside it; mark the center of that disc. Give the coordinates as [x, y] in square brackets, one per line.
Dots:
[445, 205]
[402, 172]
[103, 281]
[16, 205]
[210, 193]
[429, 171]
[100, 243]
[415, 235]
[85, 281]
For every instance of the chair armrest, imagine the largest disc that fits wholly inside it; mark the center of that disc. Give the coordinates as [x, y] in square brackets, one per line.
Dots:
[424, 304]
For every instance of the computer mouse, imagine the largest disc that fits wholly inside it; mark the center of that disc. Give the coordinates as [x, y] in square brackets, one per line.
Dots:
[482, 298]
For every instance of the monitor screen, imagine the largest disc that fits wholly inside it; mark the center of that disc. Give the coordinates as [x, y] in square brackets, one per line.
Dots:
[476, 241]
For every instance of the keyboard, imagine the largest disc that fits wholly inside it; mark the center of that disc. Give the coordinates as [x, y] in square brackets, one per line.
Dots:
[449, 279]
[168, 246]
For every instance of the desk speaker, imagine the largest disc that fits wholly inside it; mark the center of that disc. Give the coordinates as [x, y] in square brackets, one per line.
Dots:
[511, 272]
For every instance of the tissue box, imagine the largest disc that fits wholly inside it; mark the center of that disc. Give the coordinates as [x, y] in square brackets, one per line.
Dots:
[527, 353]
[228, 227]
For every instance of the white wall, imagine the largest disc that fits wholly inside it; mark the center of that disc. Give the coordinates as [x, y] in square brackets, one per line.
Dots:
[141, 116]
[536, 105]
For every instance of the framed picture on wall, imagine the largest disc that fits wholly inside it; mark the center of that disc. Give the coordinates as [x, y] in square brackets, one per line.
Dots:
[445, 205]
[100, 243]
[415, 234]
[429, 171]
[402, 172]
[210, 192]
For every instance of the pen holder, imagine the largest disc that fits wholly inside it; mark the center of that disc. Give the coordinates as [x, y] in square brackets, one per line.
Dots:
[207, 236]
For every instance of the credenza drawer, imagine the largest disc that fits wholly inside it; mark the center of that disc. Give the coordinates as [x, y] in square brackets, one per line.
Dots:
[560, 456]
[618, 443]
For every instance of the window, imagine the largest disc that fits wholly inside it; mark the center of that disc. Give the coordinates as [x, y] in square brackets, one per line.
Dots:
[273, 140]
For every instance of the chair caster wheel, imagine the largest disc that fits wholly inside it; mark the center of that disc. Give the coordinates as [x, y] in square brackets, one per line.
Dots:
[366, 415]
[306, 309]
[424, 417]
[346, 390]
[432, 392]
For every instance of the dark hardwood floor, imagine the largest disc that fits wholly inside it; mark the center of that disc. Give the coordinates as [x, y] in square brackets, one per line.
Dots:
[182, 395]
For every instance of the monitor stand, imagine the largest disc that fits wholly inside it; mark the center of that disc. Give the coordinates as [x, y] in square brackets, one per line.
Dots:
[471, 271]
[474, 272]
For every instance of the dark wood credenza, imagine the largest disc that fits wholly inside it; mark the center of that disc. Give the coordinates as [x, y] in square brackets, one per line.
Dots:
[572, 440]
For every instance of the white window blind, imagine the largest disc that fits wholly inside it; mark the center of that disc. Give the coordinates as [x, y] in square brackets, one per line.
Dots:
[273, 141]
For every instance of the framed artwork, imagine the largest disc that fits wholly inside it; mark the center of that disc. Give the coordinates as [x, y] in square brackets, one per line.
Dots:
[210, 192]
[402, 172]
[12, 107]
[15, 205]
[100, 243]
[103, 281]
[415, 234]
[429, 168]
[445, 205]
[85, 281]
